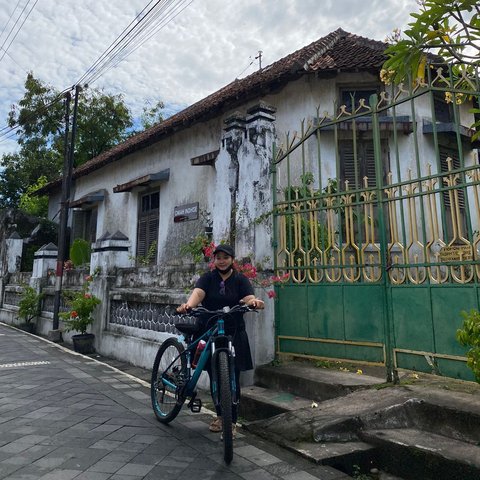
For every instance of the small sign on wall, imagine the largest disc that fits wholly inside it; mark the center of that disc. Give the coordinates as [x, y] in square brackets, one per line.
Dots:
[455, 253]
[186, 212]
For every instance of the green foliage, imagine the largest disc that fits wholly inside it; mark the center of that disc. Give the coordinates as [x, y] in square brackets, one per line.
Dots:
[80, 252]
[469, 336]
[29, 305]
[149, 258]
[195, 247]
[81, 304]
[152, 115]
[102, 122]
[449, 28]
[32, 204]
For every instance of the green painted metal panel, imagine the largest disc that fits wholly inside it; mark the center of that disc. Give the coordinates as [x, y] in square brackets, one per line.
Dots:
[325, 312]
[317, 349]
[454, 369]
[413, 362]
[292, 311]
[364, 307]
[364, 354]
[332, 350]
[412, 317]
[447, 303]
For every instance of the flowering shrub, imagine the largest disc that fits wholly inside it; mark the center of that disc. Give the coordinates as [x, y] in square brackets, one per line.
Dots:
[199, 247]
[250, 271]
[81, 305]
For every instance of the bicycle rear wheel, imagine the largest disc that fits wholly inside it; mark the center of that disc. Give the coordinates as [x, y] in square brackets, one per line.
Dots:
[226, 405]
[168, 376]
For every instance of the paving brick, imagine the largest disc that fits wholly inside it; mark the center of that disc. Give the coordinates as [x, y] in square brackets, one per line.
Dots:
[75, 418]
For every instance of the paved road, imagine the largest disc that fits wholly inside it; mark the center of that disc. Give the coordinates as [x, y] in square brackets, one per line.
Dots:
[66, 416]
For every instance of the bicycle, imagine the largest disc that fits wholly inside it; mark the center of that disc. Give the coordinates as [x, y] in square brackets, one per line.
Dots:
[173, 381]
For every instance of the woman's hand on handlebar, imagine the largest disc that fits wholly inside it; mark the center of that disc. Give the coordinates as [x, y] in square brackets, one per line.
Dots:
[255, 303]
[184, 308]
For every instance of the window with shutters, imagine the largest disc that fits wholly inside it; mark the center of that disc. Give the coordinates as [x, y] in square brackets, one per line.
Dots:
[351, 98]
[443, 110]
[448, 195]
[84, 224]
[357, 167]
[148, 221]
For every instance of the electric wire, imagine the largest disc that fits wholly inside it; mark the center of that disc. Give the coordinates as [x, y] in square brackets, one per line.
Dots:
[122, 50]
[125, 32]
[7, 132]
[152, 18]
[147, 36]
[136, 35]
[18, 29]
[9, 18]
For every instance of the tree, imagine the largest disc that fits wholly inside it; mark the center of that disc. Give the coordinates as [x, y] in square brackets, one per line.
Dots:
[447, 28]
[102, 122]
[152, 114]
[32, 204]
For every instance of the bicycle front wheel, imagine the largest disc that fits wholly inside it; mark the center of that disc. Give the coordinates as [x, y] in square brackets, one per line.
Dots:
[168, 376]
[226, 405]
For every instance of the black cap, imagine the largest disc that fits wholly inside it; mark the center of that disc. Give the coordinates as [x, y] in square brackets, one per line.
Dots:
[225, 249]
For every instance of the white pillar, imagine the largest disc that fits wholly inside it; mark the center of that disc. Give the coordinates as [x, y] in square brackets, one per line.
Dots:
[14, 246]
[110, 252]
[45, 259]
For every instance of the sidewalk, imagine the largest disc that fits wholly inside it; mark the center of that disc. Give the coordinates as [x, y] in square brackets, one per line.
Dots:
[67, 416]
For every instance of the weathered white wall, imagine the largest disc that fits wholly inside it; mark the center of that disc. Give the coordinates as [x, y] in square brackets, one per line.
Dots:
[248, 142]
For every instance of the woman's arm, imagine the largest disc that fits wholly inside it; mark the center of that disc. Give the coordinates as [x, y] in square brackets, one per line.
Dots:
[193, 301]
[253, 302]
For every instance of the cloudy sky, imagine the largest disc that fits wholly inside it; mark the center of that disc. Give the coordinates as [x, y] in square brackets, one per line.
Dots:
[207, 45]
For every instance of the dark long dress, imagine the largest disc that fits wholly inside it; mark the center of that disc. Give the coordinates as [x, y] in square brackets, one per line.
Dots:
[237, 286]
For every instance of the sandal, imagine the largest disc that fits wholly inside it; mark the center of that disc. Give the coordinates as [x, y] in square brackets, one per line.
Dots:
[234, 432]
[216, 425]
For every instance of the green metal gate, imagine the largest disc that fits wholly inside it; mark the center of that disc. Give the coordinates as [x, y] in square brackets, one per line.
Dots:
[377, 219]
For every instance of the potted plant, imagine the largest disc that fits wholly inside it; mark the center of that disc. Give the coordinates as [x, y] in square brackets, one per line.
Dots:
[29, 308]
[81, 304]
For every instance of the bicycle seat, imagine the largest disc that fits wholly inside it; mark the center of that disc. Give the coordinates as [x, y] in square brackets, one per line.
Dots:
[187, 328]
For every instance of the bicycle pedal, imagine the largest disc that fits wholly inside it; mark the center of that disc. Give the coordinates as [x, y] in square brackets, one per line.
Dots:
[195, 405]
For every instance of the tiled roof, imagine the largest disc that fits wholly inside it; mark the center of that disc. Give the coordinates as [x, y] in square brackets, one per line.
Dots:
[336, 51]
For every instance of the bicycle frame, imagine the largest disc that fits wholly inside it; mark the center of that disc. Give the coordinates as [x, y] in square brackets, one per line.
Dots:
[216, 341]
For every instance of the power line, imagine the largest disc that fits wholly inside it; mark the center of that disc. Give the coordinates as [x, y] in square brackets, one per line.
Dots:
[157, 17]
[152, 18]
[18, 29]
[8, 132]
[9, 18]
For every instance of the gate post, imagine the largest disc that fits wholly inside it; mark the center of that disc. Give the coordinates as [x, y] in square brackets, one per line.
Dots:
[392, 375]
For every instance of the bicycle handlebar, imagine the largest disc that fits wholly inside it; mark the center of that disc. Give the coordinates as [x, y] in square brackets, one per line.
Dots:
[195, 312]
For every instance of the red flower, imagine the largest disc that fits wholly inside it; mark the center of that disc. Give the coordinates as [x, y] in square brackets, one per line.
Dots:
[209, 249]
[88, 295]
[271, 294]
[73, 314]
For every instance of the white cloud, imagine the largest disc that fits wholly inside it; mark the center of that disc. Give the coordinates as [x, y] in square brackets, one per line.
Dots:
[205, 47]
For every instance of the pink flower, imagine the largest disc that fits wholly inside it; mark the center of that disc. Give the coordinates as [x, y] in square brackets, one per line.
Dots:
[271, 294]
[88, 278]
[209, 249]
[87, 295]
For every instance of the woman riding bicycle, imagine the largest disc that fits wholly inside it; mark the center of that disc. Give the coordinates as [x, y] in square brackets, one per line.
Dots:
[222, 287]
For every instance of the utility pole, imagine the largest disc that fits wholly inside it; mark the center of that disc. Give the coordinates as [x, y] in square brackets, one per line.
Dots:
[55, 334]
[259, 57]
